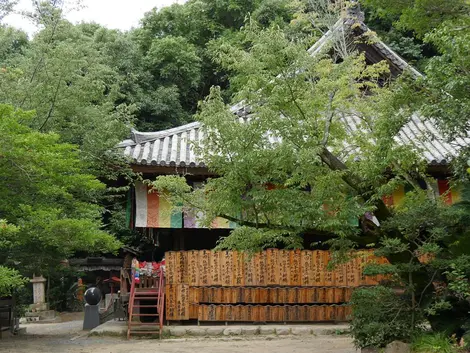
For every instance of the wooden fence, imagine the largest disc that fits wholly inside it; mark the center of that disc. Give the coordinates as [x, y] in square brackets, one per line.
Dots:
[273, 285]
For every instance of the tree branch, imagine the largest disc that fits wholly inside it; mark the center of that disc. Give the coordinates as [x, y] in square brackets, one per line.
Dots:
[331, 111]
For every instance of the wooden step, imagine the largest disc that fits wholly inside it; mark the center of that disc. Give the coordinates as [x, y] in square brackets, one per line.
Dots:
[156, 315]
[147, 298]
[144, 323]
[146, 306]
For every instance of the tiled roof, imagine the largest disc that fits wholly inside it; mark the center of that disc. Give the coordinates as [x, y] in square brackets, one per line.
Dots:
[421, 135]
[345, 25]
[173, 147]
[164, 148]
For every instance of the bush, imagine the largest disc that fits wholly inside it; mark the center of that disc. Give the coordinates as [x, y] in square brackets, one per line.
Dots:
[380, 316]
[433, 343]
[10, 280]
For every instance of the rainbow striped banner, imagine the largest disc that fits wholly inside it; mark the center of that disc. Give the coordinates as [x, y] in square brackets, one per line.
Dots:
[154, 210]
[192, 218]
[441, 187]
[449, 194]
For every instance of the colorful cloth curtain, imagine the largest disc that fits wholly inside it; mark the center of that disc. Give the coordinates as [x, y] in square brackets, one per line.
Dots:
[192, 218]
[154, 210]
[440, 186]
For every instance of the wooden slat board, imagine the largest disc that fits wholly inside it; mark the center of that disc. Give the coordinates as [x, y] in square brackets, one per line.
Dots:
[273, 267]
[273, 313]
[274, 285]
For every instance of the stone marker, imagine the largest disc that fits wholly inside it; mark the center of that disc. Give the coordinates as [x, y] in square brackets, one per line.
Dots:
[39, 293]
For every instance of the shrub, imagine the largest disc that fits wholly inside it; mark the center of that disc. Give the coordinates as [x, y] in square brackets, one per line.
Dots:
[433, 343]
[379, 317]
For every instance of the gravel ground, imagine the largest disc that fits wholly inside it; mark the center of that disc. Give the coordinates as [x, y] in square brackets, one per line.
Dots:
[68, 337]
[58, 344]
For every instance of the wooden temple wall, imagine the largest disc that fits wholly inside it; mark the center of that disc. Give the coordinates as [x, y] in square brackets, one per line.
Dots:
[271, 286]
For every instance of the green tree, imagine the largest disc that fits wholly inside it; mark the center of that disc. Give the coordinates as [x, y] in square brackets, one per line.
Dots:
[63, 76]
[318, 149]
[48, 206]
[177, 43]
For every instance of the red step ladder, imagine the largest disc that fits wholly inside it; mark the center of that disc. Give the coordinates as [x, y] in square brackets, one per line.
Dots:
[151, 291]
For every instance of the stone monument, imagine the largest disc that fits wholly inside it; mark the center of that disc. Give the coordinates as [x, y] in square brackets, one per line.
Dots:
[39, 294]
[39, 310]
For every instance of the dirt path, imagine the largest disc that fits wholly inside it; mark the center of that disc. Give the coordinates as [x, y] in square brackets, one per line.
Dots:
[54, 344]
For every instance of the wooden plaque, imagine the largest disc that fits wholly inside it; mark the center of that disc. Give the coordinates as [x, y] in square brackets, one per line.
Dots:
[330, 295]
[292, 295]
[329, 313]
[312, 313]
[226, 266]
[204, 268]
[272, 267]
[202, 313]
[171, 302]
[284, 268]
[211, 313]
[295, 268]
[182, 269]
[339, 295]
[238, 269]
[361, 262]
[282, 313]
[353, 272]
[215, 268]
[170, 267]
[340, 275]
[238, 313]
[307, 268]
[329, 275]
[218, 295]
[303, 313]
[348, 294]
[321, 295]
[262, 313]
[318, 268]
[220, 313]
[249, 270]
[229, 313]
[182, 302]
[282, 295]
[193, 311]
[193, 268]
[321, 313]
[261, 269]
[339, 313]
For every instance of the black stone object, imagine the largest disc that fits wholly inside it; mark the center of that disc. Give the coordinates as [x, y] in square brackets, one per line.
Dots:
[93, 296]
